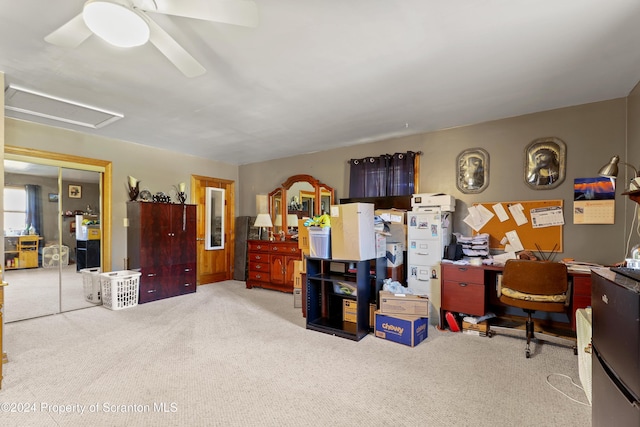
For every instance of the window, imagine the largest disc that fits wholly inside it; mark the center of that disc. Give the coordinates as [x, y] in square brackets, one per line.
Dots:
[15, 209]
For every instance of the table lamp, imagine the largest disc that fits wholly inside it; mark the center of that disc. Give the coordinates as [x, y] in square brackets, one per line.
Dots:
[610, 170]
[292, 221]
[263, 220]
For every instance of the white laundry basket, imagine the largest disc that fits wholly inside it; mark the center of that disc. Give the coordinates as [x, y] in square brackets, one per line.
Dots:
[120, 289]
[91, 283]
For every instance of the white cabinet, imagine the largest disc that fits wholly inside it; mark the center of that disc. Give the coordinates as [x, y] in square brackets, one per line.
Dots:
[428, 232]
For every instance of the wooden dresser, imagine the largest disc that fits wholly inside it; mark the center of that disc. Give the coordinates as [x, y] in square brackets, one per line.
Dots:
[271, 264]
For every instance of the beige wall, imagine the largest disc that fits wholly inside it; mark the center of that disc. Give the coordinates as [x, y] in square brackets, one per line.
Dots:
[592, 132]
[158, 170]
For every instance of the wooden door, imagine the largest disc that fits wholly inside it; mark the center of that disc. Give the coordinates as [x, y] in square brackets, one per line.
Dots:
[214, 265]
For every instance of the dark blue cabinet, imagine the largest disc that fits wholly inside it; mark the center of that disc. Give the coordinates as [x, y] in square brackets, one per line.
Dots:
[339, 294]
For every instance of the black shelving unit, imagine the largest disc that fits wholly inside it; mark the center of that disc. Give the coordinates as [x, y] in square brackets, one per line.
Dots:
[325, 306]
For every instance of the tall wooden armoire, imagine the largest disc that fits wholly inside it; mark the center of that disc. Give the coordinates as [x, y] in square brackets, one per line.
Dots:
[161, 244]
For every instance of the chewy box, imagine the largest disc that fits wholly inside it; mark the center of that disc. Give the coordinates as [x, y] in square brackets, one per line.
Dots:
[411, 305]
[407, 330]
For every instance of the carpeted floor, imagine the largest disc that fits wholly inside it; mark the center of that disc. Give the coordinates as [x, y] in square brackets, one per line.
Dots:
[41, 291]
[229, 356]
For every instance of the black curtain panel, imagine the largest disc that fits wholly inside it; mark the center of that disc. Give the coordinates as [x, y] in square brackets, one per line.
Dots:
[382, 176]
[401, 171]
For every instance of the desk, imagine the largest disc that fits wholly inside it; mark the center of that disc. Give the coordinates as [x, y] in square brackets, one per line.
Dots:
[472, 290]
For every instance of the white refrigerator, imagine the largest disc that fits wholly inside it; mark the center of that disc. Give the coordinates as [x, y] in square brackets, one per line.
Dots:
[428, 232]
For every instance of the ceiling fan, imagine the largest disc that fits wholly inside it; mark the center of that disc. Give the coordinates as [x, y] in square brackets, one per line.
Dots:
[125, 23]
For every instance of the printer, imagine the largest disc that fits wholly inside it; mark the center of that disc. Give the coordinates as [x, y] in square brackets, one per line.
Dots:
[446, 202]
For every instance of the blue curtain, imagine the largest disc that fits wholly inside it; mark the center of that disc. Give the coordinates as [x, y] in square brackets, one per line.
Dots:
[34, 208]
[401, 173]
[385, 175]
[368, 177]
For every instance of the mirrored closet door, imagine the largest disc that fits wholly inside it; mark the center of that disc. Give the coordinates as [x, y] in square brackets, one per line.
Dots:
[51, 232]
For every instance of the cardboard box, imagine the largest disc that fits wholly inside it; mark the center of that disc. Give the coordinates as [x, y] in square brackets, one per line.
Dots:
[397, 216]
[298, 274]
[395, 254]
[412, 305]
[88, 232]
[372, 315]
[303, 236]
[297, 298]
[297, 266]
[350, 311]
[482, 327]
[301, 267]
[407, 330]
[352, 232]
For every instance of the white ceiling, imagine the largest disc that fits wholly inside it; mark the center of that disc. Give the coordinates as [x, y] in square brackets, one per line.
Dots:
[319, 74]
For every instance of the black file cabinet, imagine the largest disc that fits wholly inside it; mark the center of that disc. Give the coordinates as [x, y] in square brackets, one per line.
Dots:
[87, 254]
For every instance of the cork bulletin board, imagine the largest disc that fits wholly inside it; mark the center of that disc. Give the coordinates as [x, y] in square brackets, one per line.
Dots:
[533, 239]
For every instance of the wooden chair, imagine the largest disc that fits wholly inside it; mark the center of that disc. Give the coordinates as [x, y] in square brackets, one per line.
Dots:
[536, 286]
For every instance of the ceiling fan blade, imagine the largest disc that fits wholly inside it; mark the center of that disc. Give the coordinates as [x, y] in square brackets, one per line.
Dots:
[174, 52]
[70, 34]
[236, 12]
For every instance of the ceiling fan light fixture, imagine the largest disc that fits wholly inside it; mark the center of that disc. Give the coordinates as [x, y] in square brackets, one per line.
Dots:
[116, 22]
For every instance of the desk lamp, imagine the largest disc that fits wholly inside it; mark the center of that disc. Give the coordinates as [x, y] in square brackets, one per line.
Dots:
[610, 170]
[263, 220]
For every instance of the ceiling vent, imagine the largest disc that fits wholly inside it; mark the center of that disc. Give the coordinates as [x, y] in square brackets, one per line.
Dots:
[26, 103]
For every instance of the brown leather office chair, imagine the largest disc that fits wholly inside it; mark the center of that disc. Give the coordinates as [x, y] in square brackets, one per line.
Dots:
[535, 286]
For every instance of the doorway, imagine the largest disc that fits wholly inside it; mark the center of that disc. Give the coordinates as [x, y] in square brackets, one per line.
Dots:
[60, 188]
[215, 264]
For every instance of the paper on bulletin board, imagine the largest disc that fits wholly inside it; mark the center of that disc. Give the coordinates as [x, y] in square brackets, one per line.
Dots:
[517, 211]
[531, 238]
[478, 217]
[594, 201]
[547, 217]
[499, 210]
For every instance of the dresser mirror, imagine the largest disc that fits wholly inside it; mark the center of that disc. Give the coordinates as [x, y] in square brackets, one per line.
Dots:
[298, 198]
